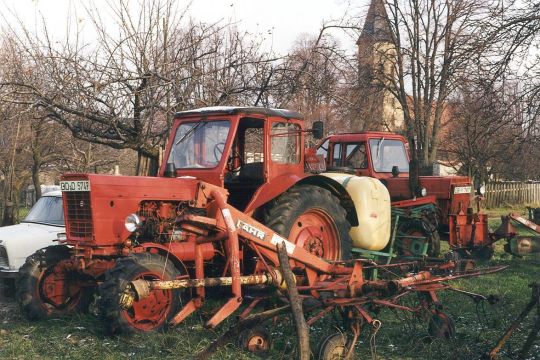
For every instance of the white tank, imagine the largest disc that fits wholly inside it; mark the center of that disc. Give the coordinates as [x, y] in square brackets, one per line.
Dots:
[372, 202]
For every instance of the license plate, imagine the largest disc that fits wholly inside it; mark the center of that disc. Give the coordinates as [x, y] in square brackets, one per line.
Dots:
[79, 185]
[462, 190]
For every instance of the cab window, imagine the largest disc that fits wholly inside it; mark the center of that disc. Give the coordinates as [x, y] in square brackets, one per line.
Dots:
[199, 144]
[323, 148]
[285, 141]
[388, 153]
[336, 155]
[355, 156]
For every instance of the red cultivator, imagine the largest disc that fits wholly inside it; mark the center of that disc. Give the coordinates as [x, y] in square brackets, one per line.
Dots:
[328, 285]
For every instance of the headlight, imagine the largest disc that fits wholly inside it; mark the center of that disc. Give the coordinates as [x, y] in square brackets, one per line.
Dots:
[61, 237]
[132, 222]
[482, 190]
[423, 192]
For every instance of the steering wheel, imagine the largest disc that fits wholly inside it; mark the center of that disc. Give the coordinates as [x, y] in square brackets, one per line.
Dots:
[230, 162]
[218, 150]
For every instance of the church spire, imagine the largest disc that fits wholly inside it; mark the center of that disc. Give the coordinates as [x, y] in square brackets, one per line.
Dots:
[376, 28]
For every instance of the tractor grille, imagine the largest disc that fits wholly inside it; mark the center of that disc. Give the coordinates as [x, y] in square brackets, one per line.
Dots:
[4, 262]
[79, 215]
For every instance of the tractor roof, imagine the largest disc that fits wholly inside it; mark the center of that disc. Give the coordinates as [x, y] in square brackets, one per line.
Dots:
[363, 135]
[232, 110]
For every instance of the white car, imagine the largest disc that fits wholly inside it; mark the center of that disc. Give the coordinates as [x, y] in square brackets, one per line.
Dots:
[39, 229]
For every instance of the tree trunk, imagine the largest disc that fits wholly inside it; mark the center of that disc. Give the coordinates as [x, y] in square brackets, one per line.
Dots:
[302, 329]
[147, 165]
[35, 180]
[8, 217]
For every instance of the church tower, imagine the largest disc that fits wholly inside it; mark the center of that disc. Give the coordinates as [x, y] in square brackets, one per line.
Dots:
[378, 107]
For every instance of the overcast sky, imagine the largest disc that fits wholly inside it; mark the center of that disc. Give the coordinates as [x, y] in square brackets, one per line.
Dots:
[282, 21]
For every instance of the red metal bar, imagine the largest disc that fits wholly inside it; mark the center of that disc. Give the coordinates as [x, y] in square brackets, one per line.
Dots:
[527, 223]
[234, 265]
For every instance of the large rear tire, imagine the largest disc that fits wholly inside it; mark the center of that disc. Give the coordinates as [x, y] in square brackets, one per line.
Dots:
[313, 218]
[47, 290]
[147, 315]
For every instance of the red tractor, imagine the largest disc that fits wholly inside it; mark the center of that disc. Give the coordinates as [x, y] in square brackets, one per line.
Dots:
[122, 228]
[385, 156]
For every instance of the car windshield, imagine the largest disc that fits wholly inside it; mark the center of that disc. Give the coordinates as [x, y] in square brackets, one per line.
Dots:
[199, 144]
[47, 210]
[388, 153]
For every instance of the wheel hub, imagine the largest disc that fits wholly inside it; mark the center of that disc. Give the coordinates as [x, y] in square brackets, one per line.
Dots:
[316, 233]
[57, 289]
[257, 344]
[152, 310]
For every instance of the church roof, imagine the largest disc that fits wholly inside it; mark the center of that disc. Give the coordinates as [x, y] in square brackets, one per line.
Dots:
[376, 26]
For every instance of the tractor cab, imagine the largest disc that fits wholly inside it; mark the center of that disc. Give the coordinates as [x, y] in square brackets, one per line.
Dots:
[245, 150]
[385, 156]
[379, 155]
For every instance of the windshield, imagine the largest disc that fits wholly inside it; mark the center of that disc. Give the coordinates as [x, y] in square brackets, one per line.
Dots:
[199, 144]
[388, 153]
[47, 210]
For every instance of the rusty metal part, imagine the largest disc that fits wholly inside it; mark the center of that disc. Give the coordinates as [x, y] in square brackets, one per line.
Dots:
[140, 289]
[492, 299]
[527, 223]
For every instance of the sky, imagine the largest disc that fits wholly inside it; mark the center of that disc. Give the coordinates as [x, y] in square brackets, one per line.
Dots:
[281, 21]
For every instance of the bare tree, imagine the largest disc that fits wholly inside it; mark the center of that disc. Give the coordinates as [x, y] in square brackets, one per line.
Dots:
[431, 41]
[312, 79]
[486, 127]
[122, 91]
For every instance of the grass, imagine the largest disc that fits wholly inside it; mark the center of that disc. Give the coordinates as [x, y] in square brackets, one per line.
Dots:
[478, 328]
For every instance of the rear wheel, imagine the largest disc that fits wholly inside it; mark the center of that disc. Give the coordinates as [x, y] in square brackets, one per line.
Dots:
[146, 315]
[45, 289]
[311, 217]
[414, 236]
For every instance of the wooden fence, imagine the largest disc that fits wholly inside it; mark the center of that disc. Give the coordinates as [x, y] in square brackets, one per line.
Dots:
[500, 194]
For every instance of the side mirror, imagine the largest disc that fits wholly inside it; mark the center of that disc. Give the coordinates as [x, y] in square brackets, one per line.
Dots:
[318, 129]
[170, 170]
[395, 171]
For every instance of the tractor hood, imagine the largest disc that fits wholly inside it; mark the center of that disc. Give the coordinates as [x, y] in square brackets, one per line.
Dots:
[442, 187]
[96, 206]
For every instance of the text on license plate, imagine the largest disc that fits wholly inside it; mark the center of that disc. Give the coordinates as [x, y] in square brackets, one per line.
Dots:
[79, 185]
[462, 189]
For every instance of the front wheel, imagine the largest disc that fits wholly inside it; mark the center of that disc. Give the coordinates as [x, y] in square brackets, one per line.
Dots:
[46, 289]
[146, 315]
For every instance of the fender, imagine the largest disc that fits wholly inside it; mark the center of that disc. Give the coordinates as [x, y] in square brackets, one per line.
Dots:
[279, 185]
[338, 190]
[272, 189]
